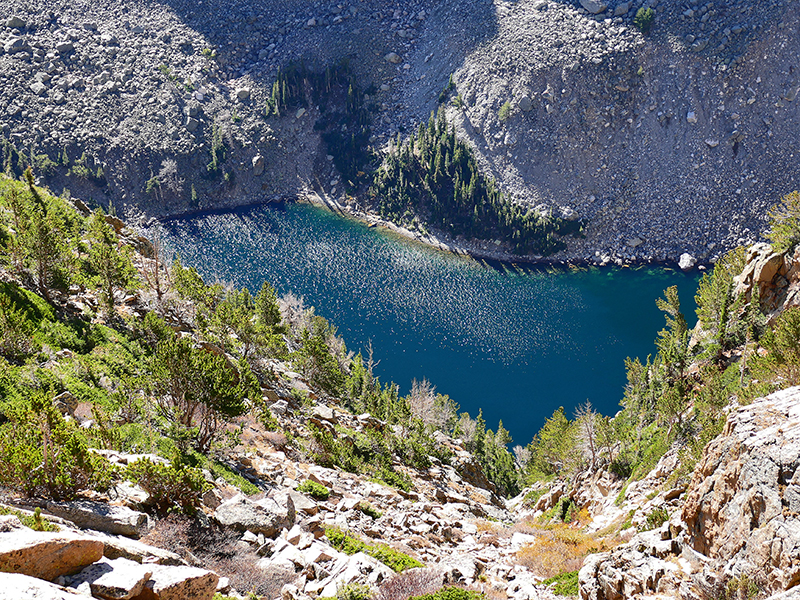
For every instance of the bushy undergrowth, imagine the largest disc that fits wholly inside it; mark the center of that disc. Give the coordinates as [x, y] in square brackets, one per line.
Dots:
[558, 549]
[565, 584]
[451, 593]
[171, 487]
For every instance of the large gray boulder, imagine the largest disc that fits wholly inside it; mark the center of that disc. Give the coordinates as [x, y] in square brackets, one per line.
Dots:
[118, 579]
[594, 6]
[100, 516]
[265, 516]
[179, 583]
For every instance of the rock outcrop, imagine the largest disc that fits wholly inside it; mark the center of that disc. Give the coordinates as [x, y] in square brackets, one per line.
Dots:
[742, 508]
[740, 517]
[46, 555]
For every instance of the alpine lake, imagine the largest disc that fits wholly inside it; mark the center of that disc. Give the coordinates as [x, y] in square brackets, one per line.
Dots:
[514, 340]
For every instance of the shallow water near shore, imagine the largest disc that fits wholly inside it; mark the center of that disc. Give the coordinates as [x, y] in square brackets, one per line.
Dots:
[513, 340]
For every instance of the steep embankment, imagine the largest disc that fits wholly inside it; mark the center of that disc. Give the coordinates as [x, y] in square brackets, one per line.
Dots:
[666, 143]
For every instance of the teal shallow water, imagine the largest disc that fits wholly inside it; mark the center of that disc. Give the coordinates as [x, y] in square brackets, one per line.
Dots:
[516, 342]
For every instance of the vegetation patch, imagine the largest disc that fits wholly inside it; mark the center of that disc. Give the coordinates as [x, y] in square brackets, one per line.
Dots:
[433, 178]
[35, 521]
[565, 584]
[558, 550]
[314, 489]
[451, 593]
[349, 544]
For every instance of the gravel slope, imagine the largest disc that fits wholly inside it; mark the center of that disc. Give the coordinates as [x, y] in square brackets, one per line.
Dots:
[668, 143]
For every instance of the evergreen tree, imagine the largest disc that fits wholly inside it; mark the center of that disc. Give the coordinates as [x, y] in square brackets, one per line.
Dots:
[109, 259]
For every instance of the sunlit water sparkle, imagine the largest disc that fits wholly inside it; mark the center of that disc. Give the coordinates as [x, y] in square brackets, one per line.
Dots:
[516, 342]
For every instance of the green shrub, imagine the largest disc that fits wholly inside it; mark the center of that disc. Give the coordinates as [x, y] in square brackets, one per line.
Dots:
[656, 519]
[349, 544]
[354, 591]
[505, 111]
[643, 20]
[451, 593]
[566, 584]
[392, 478]
[784, 223]
[532, 497]
[369, 510]
[395, 560]
[218, 470]
[740, 588]
[314, 489]
[45, 455]
[171, 487]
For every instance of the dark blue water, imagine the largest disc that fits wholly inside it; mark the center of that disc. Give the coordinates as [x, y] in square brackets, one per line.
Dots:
[516, 342]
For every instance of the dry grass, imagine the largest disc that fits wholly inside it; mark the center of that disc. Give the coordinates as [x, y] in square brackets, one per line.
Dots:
[216, 549]
[559, 549]
[489, 527]
[414, 582]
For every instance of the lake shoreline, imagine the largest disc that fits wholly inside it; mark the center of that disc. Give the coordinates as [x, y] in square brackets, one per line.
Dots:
[439, 241]
[475, 249]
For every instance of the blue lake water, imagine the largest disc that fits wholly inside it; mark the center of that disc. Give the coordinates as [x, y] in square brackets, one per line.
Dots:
[514, 341]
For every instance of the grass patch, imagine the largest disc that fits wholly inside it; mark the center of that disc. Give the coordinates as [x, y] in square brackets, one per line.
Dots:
[451, 593]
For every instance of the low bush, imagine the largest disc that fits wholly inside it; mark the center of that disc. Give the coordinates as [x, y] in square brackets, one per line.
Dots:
[314, 489]
[505, 111]
[349, 544]
[354, 591]
[46, 456]
[566, 584]
[558, 550]
[451, 593]
[656, 519]
[171, 487]
[369, 510]
[643, 20]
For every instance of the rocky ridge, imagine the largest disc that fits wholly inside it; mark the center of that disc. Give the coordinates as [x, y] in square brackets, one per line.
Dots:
[644, 136]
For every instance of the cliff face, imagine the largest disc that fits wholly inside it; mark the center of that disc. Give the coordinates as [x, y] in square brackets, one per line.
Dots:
[666, 143]
[742, 508]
